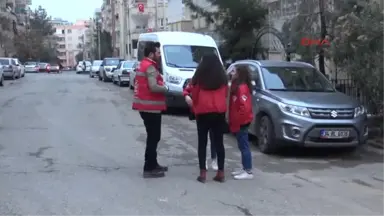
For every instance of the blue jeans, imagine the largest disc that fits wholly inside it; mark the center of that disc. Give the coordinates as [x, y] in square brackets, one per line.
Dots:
[213, 149]
[243, 143]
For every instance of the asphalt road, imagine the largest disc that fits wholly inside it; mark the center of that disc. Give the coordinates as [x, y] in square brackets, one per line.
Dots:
[72, 145]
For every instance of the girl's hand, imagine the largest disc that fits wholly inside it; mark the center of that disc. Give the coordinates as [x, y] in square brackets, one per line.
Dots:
[189, 101]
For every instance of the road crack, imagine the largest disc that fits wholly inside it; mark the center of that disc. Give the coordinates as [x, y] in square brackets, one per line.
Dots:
[241, 209]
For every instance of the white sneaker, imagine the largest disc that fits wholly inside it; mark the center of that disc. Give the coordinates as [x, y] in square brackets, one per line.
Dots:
[237, 172]
[243, 175]
[214, 165]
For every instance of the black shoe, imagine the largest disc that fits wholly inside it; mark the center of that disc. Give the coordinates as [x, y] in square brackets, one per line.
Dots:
[153, 174]
[162, 168]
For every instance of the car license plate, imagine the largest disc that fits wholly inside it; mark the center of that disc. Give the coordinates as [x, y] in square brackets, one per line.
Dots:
[333, 134]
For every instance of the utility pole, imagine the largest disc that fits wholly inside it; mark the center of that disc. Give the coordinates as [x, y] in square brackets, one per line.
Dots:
[98, 38]
[164, 15]
[113, 16]
[156, 16]
[323, 34]
[128, 20]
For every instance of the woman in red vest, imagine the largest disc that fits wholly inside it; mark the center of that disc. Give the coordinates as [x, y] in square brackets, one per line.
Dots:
[209, 87]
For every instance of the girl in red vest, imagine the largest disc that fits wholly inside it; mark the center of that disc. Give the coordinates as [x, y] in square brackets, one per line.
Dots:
[209, 87]
[240, 117]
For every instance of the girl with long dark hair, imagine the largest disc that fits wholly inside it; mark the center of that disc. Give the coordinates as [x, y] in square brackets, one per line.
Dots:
[209, 87]
[240, 117]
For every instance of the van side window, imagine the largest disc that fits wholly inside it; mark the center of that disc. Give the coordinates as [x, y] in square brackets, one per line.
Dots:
[140, 50]
[13, 62]
[255, 74]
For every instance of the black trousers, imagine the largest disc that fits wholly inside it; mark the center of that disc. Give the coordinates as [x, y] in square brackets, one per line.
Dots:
[152, 123]
[213, 123]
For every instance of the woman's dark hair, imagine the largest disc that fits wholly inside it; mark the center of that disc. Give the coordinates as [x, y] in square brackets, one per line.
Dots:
[243, 77]
[210, 73]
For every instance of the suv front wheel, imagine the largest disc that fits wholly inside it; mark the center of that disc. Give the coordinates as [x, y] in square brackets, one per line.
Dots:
[266, 136]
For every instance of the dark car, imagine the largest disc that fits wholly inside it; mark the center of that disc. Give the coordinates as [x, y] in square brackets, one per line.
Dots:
[44, 67]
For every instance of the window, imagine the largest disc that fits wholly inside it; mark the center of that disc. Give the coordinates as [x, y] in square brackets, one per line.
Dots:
[186, 56]
[128, 65]
[13, 62]
[140, 50]
[255, 74]
[302, 79]
[69, 31]
[119, 65]
[61, 46]
[111, 62]
[63, 31]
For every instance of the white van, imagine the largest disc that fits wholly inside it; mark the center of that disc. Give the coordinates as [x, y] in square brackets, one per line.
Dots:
[181, 52]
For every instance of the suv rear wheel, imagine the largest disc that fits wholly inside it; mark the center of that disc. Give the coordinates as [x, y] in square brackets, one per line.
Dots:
[2, 80]
[266, 136]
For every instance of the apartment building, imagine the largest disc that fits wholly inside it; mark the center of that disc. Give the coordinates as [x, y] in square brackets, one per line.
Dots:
[13, 20]
[179, 16]
[71, 40]
[136, 17]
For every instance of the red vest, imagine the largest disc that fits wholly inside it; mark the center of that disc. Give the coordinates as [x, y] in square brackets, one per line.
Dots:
[144, 99]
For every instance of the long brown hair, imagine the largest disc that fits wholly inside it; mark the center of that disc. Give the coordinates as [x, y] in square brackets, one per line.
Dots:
[210, 73]
[243, 77]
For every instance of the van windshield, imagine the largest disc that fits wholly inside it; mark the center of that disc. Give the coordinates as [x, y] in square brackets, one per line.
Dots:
[295, 79]
[186, 56]
[97, 63]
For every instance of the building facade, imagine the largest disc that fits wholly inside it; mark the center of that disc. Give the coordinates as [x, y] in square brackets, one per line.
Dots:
[179, 16]
[71, 40]
[14, 16]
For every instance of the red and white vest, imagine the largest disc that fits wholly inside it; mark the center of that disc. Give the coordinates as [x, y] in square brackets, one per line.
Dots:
[144, 99]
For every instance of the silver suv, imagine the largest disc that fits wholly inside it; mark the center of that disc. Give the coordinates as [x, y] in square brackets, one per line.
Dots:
[295, 104]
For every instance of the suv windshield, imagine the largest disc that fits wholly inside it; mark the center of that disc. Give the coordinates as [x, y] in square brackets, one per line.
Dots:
[4, 61]
[128, 64]
[295, 79]
[97, 63]
[185, 56]
[111, 62]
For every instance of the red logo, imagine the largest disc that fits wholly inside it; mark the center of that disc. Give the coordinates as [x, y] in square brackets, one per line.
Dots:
[141, 7]
[314, 42]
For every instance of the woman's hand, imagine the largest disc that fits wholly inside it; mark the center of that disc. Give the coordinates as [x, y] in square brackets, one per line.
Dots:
[189, 101]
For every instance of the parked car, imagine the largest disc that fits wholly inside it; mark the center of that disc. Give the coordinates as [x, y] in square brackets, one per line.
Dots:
[44, 67]
[132, 76]
[95, 68]
[9, 68]
[106, 67]
[295, 104]
[121, 74]
[1, 75]
[80, 67]
[31, 67]
[54, 67]
[20, 67]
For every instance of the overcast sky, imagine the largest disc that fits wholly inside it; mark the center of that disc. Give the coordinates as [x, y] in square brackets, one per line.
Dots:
[70, 10]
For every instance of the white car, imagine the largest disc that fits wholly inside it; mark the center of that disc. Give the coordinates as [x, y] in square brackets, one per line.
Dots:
[121, 74]
[132, 76]
[80, 67]
[1, 75]
[31, 67]
[20, 67]
[95, 68]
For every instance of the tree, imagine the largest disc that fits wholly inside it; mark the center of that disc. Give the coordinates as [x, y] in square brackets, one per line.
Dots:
[105, 44]
[37, 42]
[357, 48]
[79, 57]
[236, 22]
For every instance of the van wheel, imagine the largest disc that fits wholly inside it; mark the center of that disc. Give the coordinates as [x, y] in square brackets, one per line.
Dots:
[2, 80]
[266, 136]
